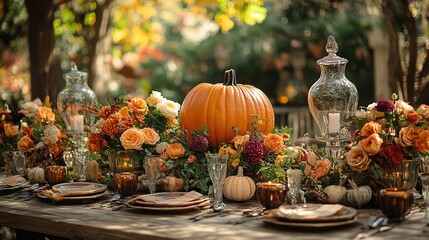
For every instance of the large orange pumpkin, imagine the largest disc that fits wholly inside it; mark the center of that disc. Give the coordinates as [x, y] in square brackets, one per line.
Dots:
[220, 107]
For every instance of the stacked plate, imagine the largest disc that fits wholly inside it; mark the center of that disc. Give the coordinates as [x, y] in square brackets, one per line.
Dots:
[12, 183]
[312, 216]
[169, 201]
[74, 192]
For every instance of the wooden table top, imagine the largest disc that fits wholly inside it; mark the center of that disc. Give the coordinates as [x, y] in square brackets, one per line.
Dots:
[80, 221]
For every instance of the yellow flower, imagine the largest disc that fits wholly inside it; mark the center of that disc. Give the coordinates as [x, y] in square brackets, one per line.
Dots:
[235, 162]
[227, 150]
[280, 160]
[240, 141]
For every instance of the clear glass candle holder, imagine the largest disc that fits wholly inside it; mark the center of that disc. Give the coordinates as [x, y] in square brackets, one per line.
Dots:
[294, 185]
[217, 164]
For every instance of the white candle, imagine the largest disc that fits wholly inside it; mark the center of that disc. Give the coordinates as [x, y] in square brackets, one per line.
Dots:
[76, 123]
[333, 122]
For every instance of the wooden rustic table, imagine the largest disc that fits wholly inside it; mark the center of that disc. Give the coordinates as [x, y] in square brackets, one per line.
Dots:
[84, 222]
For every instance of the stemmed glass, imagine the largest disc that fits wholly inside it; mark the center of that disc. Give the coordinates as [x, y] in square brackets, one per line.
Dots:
[294, 185]
[19, 161]
[424, 177]
[68, 160]
[82, 165]
[151, 168]
[217, 164]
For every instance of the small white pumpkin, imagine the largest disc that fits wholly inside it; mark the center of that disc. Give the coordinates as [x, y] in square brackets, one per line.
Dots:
[335, 193]
[173, 184]
[239, 188]
[357, 197]
[36, 175]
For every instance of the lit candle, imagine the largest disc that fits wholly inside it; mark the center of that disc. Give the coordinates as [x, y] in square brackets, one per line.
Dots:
[333, 122]
[76, 123]
[271, 195]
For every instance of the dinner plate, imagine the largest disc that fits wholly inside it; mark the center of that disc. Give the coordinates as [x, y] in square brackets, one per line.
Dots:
[85, 198]
[7, 189]
[79, 188]
[345, 213]
[306, 225]
[139, 202]
[170, 209]
[167, 196]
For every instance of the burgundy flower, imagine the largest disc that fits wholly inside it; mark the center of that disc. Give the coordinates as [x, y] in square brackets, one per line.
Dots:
[384, 105]
[200, 144]
[390, 156]
[254, 151]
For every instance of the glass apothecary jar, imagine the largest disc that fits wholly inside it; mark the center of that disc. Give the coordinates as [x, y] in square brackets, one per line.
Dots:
[75, 101]
[333, 99]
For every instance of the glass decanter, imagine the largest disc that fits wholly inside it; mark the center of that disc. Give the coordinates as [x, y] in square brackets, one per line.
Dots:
[333, 99]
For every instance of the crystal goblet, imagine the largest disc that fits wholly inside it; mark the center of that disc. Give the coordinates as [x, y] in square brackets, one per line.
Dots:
[217, 164]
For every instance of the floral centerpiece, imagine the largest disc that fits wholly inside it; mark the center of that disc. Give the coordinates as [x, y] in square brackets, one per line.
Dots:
[135, 125]
[389, 132]
[41, 135]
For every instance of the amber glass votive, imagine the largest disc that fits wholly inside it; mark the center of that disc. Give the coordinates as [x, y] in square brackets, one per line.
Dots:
[56, 174]
[395, 203]
[271, 195]
[126, 183]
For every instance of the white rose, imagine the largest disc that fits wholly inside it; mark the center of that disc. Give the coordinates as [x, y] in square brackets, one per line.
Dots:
[402, 107]
[50, 135]
[371, 106]
[161, 147]
[30, 107]
[155, 98]
[168, 108]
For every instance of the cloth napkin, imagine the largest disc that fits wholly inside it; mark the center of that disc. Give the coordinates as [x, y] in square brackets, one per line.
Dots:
[172, 199]
[325, 210]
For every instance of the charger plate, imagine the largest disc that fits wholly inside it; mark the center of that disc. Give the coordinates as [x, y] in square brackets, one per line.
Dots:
[291, 213]
[76, 189]
[306, 225]
[73, 199]
[204, 203]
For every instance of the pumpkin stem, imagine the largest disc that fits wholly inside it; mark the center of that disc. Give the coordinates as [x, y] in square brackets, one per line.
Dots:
[229, 78]
[240, 172]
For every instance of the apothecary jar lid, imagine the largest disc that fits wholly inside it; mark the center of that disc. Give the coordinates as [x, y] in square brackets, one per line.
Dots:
[332, 58]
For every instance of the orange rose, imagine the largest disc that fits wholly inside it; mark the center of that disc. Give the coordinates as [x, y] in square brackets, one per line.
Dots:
[55, 149]
[132, 138]
[227, 150]
[412, 116]
[370, 128]
[152, 137]
[423, 111]
[162, 167]
[25, 144]
[45, 114]
[192, 158]
[138, 104]
[175, 150]
[321, 168]
[372, 144]
[422, 142]
[28, 131]
[357, 159]
[408, 135]
[240, 141]
[273, 142]
[10, 130]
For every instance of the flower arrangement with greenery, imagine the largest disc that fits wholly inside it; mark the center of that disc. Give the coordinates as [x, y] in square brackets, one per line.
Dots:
[41, 135]
[388, 132]
[134, 124]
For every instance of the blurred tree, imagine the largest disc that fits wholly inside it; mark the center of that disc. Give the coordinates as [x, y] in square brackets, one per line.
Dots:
[46, 74]
[408, 74]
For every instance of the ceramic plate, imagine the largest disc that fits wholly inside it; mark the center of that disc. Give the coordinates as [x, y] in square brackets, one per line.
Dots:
[79, 188]
[346, 213]
[7, 189]
[306, 225]
[88, 198]
[170, 209]
[138, 202]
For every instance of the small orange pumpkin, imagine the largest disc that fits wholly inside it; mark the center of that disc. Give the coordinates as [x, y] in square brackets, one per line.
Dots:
[221, 107]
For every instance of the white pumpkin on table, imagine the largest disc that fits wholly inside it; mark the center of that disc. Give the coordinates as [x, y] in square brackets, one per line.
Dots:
[239, 188]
